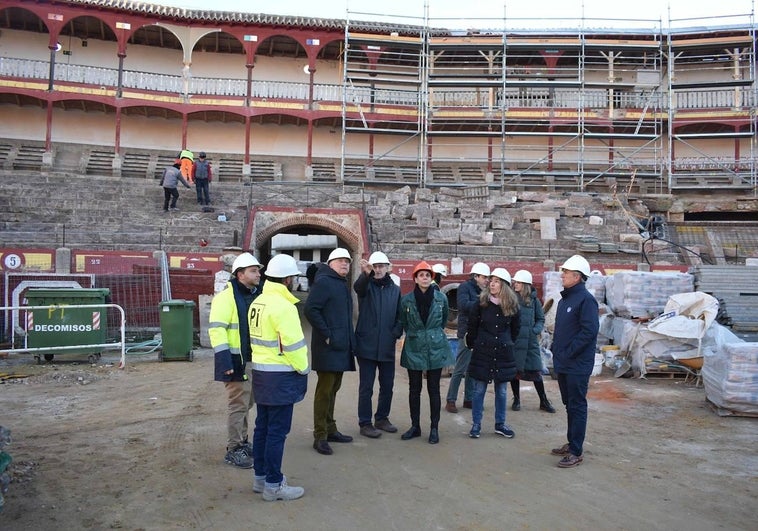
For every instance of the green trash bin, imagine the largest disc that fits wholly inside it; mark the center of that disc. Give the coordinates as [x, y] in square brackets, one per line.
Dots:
[176, 330]
[66, 326]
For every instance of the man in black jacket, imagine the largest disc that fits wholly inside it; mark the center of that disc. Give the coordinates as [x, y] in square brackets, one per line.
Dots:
[329, 310]
[376, 334]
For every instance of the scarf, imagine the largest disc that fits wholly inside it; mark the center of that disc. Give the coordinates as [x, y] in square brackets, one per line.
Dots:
[495, 300]
[423, 302]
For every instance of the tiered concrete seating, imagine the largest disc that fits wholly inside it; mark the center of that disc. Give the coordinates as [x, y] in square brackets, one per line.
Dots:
[136, 165]
[99, 162]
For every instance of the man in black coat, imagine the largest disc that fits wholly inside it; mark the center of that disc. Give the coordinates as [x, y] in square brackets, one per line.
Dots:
[376, 333]
[329, 310]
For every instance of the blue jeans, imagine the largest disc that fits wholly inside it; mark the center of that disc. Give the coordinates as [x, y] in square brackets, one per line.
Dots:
[367, 371]
[272, 424]
[501, 398]
[461, 366]
[201, 188]
[574, 396]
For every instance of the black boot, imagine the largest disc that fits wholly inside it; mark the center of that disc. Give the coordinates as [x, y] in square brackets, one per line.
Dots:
[545, 404]
[414, 431]
[515, 384]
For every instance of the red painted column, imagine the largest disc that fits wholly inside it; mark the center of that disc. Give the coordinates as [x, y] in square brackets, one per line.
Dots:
[550, 149]
[120, 85]
[49, 125]
[184, 131]
[309, 155]
[246, 160]
[117, 140]
[489, 153]
[736, 150]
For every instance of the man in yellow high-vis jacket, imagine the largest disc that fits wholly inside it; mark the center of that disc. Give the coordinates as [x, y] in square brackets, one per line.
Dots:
[230, 339]
[280, 368]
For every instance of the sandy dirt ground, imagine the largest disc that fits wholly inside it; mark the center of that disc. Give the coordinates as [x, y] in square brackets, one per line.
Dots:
[141, 448]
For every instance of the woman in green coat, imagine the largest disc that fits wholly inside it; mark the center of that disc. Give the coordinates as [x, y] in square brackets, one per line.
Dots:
[527, 347]
[423, 315]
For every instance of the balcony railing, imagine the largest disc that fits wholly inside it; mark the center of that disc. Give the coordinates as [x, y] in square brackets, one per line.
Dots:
[530, 97]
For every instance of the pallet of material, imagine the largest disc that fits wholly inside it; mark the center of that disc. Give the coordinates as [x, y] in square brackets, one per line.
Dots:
[726, 412]
[667, 374]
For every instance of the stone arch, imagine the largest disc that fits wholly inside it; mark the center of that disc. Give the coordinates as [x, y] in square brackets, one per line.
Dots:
[347, 225]
[311, 220]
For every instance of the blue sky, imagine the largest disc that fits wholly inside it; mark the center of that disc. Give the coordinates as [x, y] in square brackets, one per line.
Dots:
[457, 13]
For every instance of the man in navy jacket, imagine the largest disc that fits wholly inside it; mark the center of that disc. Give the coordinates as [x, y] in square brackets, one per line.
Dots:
[574, 343]
[329, 309]
[376, 335]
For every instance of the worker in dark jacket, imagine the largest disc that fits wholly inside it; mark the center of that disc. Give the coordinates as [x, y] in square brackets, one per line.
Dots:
[493, 325]
[376, 333]
[574, 344]
[329, 310]
[468, 297]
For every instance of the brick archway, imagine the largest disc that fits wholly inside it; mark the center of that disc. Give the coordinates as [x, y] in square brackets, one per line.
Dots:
[347, 224]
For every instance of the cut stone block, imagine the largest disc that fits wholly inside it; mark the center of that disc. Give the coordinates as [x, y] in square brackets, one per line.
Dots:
[548, 230]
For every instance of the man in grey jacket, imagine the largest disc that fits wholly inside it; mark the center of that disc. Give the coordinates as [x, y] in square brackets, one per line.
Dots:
[170, 180]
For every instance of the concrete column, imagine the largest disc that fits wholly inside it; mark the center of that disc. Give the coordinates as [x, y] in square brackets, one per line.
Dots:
[116, 165]
[63, 261]
[549, 265]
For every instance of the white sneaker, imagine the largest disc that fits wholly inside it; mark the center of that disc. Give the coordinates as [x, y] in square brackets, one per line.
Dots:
[259, 483]
[283, 492]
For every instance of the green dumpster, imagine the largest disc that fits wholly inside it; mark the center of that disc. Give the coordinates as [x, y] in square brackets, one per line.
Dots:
[176, 330]
[64, 324]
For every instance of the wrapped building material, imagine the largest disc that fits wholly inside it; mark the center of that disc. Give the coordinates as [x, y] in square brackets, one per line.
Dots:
[551, 293]
[643, 294]
[730, 377]
[552, 286]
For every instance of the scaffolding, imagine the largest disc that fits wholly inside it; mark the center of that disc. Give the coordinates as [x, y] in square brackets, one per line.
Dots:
[497, 104]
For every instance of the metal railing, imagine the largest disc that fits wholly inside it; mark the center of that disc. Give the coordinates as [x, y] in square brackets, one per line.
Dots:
[531, 97]
[52, 307]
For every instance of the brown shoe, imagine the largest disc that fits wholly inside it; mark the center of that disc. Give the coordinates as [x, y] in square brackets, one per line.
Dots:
[570, 461]
[322, 447]
[563, 450]
[385, 425]
[450, 407]
[369, 431]
[467, 404]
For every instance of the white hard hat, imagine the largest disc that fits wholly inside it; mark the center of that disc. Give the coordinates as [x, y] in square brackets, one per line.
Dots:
[282, 266]
[522, 275]
[502, 274]
[577, 263]
[339, 252]
[480, 268]
[440, 268]
[244, 260]
[377, 257]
